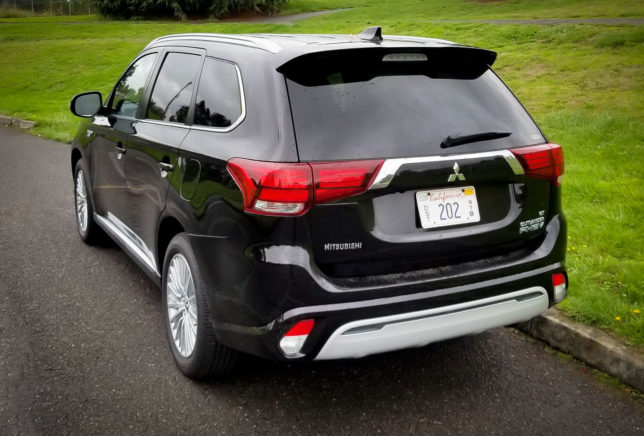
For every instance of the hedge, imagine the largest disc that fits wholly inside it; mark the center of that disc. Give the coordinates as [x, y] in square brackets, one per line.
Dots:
[142, 9]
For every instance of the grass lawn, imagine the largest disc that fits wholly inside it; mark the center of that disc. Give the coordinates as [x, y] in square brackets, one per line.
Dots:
[583, 83]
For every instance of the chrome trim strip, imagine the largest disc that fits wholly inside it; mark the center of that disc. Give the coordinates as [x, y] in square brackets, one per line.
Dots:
[116, 228]
[416, 329]
[161, 123]
[391, 166]
[244, 40]
[242, 116]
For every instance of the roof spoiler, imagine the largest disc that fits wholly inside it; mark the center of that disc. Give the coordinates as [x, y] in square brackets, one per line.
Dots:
[455, 62]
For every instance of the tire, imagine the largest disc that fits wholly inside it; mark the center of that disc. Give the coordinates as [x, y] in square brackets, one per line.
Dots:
[197, 353]
[88, 229]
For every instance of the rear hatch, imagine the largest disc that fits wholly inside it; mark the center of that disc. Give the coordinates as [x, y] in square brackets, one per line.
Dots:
[437, 126]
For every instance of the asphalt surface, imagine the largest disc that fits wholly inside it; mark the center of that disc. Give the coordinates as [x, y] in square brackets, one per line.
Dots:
[82, 351]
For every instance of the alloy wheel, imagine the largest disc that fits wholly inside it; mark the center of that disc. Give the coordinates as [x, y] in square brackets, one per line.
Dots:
[81, 201]
[182, 305]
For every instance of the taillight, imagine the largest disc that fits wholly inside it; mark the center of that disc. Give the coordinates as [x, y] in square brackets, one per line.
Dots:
[275, 188]
[271, 188]
[542, 161]
[335, 180]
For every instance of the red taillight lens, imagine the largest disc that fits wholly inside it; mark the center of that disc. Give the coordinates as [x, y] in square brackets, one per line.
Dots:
[275, 188]
[542, 161]
[272, 188]
[335, 180]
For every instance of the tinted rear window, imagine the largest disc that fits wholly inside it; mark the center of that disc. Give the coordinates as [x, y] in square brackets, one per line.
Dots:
[218, 101]
[354, 110]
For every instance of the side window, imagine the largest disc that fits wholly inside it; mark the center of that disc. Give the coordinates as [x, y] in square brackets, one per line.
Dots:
[218, 102]
[128, 92]
[172, 91]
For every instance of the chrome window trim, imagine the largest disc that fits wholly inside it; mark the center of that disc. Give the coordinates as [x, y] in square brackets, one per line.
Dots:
[242, 96]
[162, 123]
[391, 166]
[237, 122]
[118, 229]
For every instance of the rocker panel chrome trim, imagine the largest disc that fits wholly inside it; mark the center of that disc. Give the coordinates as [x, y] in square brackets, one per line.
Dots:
[416, 329]
[117, 229]
[391, 166]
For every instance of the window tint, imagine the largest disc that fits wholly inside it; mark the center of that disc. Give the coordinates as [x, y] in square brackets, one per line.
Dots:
[172, 91]
[351, 115]
[128, 92]
[218, 101]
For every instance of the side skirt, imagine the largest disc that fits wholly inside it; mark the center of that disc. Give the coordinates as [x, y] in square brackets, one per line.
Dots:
[130, 243]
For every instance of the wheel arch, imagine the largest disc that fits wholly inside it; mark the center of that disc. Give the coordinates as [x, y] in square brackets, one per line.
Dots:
[76, 156]
[169, 227]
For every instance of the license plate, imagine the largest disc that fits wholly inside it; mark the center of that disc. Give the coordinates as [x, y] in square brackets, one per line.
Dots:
[447, 207]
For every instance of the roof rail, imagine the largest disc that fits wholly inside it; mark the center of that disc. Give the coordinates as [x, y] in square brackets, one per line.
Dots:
[248, 41]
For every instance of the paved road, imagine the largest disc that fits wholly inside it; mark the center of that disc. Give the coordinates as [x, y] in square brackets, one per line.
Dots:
[82, 351]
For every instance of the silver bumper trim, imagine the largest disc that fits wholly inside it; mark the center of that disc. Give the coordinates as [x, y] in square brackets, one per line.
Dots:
[416, 329]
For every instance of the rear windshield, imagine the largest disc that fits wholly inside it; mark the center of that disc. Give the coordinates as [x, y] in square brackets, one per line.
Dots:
[354, 109]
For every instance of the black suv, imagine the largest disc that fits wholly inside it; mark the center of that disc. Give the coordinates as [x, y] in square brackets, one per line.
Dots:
[322, 196]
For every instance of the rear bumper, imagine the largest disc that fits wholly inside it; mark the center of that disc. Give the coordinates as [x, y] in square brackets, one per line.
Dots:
[416, 329]
[258, 298]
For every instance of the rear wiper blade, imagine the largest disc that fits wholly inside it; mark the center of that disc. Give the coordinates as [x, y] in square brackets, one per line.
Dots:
[466, 139]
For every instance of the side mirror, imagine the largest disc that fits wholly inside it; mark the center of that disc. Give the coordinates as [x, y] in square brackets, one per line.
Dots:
[87, 104]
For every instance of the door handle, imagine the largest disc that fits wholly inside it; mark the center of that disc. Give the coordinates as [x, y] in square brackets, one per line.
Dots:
[120, 150]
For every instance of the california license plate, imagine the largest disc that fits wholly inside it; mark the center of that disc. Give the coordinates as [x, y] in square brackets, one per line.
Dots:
[447, 207]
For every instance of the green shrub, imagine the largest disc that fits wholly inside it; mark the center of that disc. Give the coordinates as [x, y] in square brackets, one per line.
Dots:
[7, 12]
[185, 8]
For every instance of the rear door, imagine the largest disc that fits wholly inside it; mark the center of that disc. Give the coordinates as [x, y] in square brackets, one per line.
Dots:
[153, 150]
[448, 191]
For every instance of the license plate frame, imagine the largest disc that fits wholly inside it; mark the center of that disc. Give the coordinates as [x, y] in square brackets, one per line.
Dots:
[459, 206]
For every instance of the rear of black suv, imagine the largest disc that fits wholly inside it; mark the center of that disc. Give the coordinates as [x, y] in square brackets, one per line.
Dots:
[424, 204]
[322, 196]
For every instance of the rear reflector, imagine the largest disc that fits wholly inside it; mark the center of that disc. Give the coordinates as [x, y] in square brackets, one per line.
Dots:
[560, 286]
[290, 189]
[542, 161]
[294, 339]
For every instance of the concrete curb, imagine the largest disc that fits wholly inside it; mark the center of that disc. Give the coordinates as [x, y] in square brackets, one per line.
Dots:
[590, 345]
[16, 122]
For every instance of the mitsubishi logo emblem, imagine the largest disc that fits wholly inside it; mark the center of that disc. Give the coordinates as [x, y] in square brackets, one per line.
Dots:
[457, 174]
